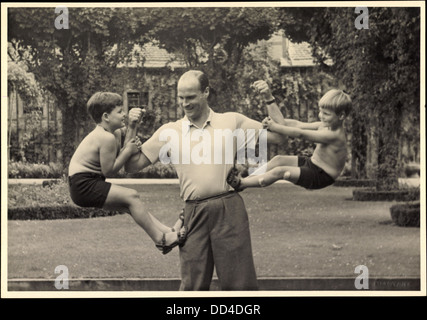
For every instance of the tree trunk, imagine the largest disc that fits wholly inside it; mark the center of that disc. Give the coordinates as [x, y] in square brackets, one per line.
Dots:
[358, 151]
[68, 133]
[388, 148]
[372, 149]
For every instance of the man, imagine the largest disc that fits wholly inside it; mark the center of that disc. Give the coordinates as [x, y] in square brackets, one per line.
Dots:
[215, 216]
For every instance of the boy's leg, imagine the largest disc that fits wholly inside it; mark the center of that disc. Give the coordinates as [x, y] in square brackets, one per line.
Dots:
[277, 161]
[128, 198]
[284, 172]
[263, 176]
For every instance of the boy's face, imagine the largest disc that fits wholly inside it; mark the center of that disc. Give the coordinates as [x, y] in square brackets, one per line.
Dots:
[329, 118]
[117, 118]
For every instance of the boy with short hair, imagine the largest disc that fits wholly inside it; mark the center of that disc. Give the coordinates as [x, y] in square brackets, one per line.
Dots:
[100, 155]
[328, 159]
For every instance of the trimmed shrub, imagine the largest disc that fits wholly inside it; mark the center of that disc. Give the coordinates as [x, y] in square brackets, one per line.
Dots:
[51, 200]
[406, 214]
[358, 183]
[20, 170]
[154, 171]
[25, 170]
[57, 212]
[370, 194]
[49, 194]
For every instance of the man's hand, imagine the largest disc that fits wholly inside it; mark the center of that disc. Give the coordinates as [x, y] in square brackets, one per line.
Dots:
[262, 88]
[134, 116]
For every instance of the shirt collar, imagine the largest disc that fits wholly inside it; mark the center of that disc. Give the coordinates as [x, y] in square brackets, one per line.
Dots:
[208, 121]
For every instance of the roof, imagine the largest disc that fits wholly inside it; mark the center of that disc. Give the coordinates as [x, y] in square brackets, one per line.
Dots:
[289, 53]
[151, 56]
[298, 55]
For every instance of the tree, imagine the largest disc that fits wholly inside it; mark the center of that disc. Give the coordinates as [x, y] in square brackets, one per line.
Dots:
[22, 83]
[74, 63]
[379, 66]
[213, 39]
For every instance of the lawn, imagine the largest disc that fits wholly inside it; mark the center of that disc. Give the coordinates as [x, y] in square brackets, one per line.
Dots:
[295, 233]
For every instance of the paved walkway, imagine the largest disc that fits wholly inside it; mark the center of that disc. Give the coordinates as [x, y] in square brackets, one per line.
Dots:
[117, 181]
[408, 182]
[408, 284]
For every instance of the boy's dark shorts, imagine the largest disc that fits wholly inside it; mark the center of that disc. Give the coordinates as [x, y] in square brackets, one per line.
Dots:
[311, 176]
[88, 189]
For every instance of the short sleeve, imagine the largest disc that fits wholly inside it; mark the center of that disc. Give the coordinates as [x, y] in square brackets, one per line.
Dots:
[154, 145]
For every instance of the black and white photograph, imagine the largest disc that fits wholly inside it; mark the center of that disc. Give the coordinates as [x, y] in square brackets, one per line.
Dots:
[213, 149]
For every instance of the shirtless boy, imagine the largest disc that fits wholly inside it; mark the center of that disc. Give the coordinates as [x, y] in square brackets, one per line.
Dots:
[100, 155]
[328, 160]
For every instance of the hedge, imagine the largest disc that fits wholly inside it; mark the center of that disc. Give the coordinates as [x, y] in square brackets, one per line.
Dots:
[406, 214]
[345, 182]
[57, 212]
[370, 194]
[19, 170]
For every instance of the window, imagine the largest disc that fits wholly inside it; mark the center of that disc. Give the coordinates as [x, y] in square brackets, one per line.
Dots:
[137, 99]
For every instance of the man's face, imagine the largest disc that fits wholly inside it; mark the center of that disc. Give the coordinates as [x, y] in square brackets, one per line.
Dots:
[190, 97]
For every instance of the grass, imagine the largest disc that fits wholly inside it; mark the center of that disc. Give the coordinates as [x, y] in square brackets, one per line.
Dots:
[295, 233]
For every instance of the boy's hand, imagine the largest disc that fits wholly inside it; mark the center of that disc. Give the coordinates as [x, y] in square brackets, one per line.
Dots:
[132, 147]
[269, 124]
[262, 88]
[134, 116]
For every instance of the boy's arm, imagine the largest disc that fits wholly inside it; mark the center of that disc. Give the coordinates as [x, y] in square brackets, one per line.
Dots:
[275, 114]
[302, 125]
[318, 136]
[107, 155]
[247, 123]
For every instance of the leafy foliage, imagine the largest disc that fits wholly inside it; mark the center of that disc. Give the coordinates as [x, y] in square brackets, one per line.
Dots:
[380, 69]
[76, 62]
[24, 83]
[18, 170]
[21, 195]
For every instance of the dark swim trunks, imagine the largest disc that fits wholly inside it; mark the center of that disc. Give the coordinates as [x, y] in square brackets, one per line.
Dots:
[311, 176]
[88, 189]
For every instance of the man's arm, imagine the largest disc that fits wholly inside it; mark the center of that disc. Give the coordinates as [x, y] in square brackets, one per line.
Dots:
[137, 162]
